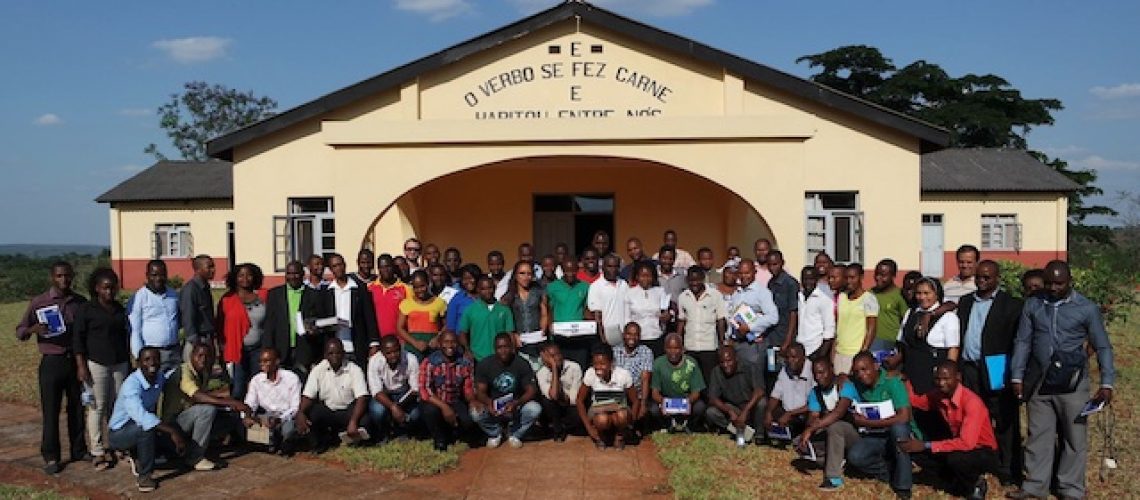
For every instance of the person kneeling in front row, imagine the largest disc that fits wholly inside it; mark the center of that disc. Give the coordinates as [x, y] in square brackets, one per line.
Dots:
[829, 404]
[273, 398]
[736, 392]
[134, 424]
[676, 376]
[334, 400]
[505, 385]
[972, 449]
[393, 380]
[604, 400]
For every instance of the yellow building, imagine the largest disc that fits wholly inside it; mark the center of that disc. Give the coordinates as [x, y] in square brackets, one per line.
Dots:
[577, 119]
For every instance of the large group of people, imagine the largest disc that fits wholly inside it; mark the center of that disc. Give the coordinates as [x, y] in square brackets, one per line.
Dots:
[423, 345]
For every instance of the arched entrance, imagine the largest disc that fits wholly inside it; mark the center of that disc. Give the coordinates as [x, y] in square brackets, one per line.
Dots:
[552, 199]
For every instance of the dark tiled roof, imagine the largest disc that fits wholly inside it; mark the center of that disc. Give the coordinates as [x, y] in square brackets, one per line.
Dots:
[176, 180]
[989, 169]
[931, 136]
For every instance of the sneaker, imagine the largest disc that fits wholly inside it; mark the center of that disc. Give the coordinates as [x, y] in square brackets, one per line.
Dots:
[831, 484]
[732, 429]
[515, 442]
[494, 442]
[749, 433]
[980, 489]
[205, 465]
[51, 468]
[740, 441]
[146, 483]
[903, 494]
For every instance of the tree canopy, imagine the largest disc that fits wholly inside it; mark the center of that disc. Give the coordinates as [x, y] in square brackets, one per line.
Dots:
[202, 112]
[980, 111]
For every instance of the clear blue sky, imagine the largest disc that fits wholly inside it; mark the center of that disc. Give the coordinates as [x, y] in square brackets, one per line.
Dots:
[81, 79]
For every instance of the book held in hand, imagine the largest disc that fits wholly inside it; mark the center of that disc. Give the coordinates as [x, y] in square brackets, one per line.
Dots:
[780, 432]
[675, 406]
[501, 402]
[876, 411]
[361, 432]
[574, 328]
[53, 318]
[1091, 407]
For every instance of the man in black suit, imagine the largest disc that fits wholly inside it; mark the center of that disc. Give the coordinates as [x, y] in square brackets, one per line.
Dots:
[989, 318]
[300, 348]
[355, 313]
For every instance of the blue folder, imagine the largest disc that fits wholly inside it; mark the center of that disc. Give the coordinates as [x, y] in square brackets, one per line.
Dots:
[995, 368]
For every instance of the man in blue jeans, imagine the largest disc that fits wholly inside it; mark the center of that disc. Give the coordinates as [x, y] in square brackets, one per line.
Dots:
[877, 452]
[506, 386]
[135, 424]
[394, 382]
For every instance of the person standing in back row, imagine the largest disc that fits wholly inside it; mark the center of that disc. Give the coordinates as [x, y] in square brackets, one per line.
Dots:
[1049, 367]
[102, 354]
[196, 306]
[962, 284]
[57, 373]
[154, 317]
[988, 319]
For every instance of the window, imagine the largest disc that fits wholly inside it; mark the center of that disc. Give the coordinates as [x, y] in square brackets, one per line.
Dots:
[834, 225]
[1001, 232]
[172, 241]
[309, 228]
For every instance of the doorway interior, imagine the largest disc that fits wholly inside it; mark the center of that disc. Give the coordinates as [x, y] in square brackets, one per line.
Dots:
[571, 219]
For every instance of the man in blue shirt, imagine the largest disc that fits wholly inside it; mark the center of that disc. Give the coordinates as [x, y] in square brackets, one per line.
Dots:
[135, 423]
[749, 335]
[1049, 367]
[154, 316]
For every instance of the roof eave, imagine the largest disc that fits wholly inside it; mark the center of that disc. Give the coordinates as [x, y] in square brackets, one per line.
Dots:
[931, 137]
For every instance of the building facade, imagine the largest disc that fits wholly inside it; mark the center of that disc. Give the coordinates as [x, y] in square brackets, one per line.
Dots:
[574, 120]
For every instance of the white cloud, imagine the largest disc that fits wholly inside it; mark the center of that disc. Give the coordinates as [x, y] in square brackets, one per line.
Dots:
[195, 49]
[436, 10]
[1122, 91]
[1097, 162]
[659, 8]
[1061, 151]
[136, 111]
[48, 119]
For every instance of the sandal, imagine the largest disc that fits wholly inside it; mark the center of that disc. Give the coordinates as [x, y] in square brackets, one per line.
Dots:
[102, 462]
[619, 442]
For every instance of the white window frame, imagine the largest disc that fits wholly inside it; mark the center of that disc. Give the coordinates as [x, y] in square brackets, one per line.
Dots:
[285, 246]
[821, 224]
[172, 240]
[1000, 232]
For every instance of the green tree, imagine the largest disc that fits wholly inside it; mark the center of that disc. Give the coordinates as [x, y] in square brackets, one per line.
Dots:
[202, 112]
[980, 111]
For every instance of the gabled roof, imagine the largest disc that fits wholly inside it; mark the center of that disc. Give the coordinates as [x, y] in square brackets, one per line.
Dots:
[990, 169]
[176, 181]
[931, 136]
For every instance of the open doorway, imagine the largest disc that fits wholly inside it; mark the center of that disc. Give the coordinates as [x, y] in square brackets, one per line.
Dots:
[572, 219]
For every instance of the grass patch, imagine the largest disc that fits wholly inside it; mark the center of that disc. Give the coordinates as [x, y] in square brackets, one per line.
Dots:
[22, 359]
[26, 493]
[403, 458]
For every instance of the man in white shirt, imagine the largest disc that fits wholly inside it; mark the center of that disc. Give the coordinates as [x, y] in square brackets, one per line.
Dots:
[394, 382]
[334, 399]
[606, 301]
[154, 317]
[273, 397]
[559, 399]
[702, 318]
[962, 284]
[816, 326]
[787, 405]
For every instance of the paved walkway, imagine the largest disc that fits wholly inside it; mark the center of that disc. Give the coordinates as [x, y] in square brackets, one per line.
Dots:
[547, 470]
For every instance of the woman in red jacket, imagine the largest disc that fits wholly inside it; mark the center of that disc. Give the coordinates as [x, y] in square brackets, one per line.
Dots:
[240, 318]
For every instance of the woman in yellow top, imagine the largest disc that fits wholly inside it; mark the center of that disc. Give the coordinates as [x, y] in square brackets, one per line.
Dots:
[856, 316]
[421, 317]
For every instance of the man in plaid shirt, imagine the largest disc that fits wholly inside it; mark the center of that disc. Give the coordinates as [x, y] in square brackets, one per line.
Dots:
[447, 392]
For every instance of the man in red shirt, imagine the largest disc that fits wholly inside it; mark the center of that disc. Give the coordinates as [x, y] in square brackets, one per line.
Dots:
[971, 451]
[387, 293]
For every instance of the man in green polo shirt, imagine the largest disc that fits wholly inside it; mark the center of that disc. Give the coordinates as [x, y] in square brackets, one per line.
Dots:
[876, 453]
[483, 320]
[676, 375]
[892, 305]
[567, 298]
